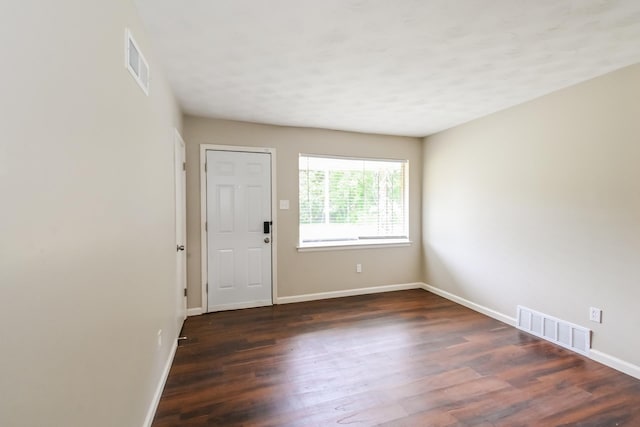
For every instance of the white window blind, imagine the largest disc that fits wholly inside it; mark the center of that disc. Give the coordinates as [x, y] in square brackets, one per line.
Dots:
[352, 200]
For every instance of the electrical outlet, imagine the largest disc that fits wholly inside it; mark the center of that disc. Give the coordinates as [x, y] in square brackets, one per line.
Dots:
[358, 268]
[595, 315]
[159, 337]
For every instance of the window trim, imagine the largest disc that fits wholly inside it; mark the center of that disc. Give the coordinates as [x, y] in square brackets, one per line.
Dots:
[354, 244]
[366, 243]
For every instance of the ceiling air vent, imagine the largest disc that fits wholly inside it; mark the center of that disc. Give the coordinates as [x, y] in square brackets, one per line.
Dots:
[135, 62]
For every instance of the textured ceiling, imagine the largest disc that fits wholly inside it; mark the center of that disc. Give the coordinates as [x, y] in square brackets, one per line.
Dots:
[404, 67]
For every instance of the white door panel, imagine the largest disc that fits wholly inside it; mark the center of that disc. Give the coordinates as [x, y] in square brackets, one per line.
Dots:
[181, 227]
[238, 204]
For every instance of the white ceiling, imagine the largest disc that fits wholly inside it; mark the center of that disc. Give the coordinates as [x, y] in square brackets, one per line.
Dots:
[403, 67]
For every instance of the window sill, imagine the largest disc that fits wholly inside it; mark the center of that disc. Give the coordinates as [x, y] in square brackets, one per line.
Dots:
[347, 245]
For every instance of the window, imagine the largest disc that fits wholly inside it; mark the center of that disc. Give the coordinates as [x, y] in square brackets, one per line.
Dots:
[345, 201]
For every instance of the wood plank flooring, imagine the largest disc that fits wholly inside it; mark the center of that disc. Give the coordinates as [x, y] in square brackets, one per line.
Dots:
[408, 358]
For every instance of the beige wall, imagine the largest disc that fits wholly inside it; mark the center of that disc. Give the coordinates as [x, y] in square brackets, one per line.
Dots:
[307, 272]
[539, 205]
[87, 255]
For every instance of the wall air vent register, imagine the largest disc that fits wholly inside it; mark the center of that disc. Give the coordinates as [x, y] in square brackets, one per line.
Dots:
[561, 332]
[134, 62]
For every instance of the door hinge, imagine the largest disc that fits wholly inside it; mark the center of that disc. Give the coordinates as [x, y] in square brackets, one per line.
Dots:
[206, 226]
[205, 166]
[184, 166]
[185, 292]
[207, 286]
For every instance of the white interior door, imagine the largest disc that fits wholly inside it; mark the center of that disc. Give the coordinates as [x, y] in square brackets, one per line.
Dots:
[181, 228]
[238, 248]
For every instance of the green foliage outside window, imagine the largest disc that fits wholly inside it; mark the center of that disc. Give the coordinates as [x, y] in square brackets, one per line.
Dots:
[372, 198]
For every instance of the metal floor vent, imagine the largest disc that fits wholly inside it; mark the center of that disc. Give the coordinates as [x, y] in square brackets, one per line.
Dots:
[566, 334]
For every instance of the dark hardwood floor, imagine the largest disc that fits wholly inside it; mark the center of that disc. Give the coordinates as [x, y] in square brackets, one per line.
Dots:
[408, 358]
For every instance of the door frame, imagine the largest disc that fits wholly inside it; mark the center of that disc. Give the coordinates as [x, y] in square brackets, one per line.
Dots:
[203, 217]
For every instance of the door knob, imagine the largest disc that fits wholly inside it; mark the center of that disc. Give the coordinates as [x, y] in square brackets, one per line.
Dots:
[179, 247]
[267, 240]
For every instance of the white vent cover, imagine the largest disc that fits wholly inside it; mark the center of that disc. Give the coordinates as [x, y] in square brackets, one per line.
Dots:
[134, 62]
[557, 331]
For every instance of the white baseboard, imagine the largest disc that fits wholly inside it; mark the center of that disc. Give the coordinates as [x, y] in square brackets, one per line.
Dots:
[196, 311]
[241, 305]
[615, 363]
[472, 305]
[347, 293]
[153, 407]
[604, 358]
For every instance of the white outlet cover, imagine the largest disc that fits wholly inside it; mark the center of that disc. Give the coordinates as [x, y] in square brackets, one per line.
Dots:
[595, 315]
[284, 204]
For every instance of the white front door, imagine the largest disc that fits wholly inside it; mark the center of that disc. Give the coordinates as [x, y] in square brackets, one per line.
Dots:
[238, 229]
[181, 228]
